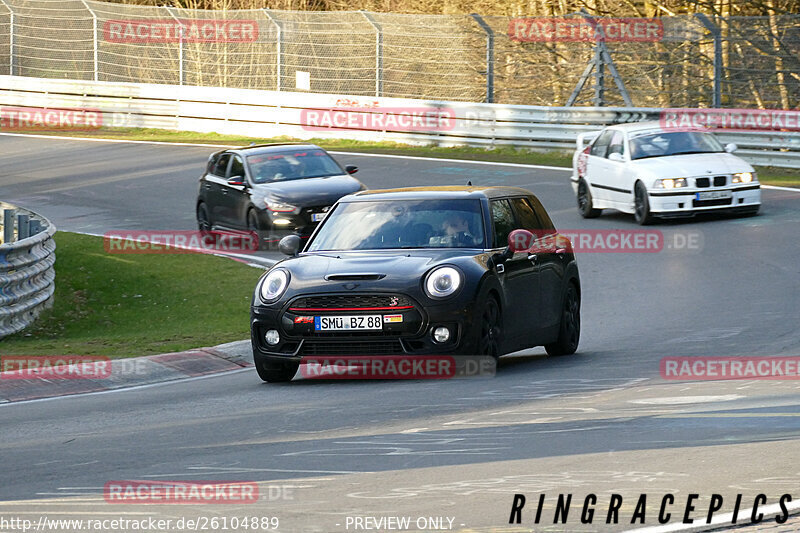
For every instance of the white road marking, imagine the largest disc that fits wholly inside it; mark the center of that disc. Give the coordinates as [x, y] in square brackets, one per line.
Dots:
[677, 400]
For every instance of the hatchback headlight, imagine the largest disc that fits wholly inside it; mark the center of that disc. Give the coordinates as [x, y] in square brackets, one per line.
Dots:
[442, 282]
[744, 177]
[274, 285]
[670, 183]
[280, 207]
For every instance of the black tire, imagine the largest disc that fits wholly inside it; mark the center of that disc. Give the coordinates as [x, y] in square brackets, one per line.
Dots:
[490, 330]
[203, 220]
[641, 203]
[569, 333]
[585, 206]
[275, 372]
[254, 227]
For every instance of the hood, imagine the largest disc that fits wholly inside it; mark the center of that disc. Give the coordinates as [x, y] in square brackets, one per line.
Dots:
[691, 165]
[309, 191]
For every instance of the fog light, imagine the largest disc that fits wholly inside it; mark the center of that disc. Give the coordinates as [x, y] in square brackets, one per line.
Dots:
[281, 222]
[441, 334]
[272, 337]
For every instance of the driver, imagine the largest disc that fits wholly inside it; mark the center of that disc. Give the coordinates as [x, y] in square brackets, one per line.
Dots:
[456, 227]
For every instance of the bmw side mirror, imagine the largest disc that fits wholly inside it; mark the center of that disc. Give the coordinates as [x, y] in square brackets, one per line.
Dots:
[731, 147]
[351, 169]
[236, 180]
[290, 245]
[616, 156]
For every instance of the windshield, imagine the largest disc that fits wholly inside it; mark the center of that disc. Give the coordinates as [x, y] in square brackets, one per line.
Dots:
[292, 165]
[673, 143]
[401, 224]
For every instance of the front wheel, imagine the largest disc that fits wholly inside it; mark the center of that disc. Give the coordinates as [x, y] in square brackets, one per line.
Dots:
[275, 372]
[641, 205]
[254, 228]
[585, 206]
[203, 220]
[569, 333]
[491, 329]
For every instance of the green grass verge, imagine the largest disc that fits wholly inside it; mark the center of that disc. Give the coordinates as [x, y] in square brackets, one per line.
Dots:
[128, 305]
[767, 175]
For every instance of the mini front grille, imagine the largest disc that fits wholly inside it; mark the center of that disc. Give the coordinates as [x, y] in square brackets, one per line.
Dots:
[370, 347]
[702, 182]
[719, 181]
[353, 302]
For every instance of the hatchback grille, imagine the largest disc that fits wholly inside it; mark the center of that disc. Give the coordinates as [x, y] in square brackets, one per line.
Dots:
[370, 347]
[352, 302]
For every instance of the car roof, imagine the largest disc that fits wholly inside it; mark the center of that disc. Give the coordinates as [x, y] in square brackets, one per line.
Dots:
[272, 147]
[441, 192]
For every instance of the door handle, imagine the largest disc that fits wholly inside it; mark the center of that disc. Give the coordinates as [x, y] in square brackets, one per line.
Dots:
[533, 258]
[561, 251]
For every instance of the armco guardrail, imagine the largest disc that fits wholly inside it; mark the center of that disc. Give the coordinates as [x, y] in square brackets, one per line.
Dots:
[27, 275]
[259, 113]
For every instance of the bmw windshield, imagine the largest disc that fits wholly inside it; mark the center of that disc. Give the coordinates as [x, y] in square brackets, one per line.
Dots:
[377, 225]
[673, 143]
[292, 165]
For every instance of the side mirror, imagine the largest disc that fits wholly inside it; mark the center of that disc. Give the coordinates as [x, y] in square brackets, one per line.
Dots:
[730, 148]
[351, 169]
[289, 245]
[236, 180]
[616, 156]
[519, 240]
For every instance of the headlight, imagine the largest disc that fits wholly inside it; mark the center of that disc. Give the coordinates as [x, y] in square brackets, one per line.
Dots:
[274, 285]
[744, 177]
[670, 183]
[280, 207]
[442, 282]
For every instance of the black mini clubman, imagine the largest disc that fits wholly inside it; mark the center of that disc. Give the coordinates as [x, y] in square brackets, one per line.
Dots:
[419, 271]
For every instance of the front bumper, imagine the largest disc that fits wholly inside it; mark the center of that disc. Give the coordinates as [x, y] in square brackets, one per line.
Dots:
[686, 202]
[410, 335]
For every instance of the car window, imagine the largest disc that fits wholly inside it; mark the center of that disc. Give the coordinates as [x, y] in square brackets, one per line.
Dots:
[649, 144]
[503, 221]
[526, 215]
[544, 218]
[601, 143]
[237, 167]
[221, 166]
[292, 165]
[617, 144]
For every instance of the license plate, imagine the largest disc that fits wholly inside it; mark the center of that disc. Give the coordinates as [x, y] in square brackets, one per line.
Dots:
[316, 217]
[714, 195]
[348, 323]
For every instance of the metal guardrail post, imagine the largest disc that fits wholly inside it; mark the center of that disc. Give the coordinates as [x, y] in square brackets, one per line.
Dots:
[35, 227]
[94, 37]
[489, 56]
[378, 52]
[181, 73]
[279, 49]
[23, 228]
[8, 224]
[715, 31]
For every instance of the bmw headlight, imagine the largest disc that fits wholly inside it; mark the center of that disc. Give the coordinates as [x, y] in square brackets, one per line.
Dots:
[274, 285]
[670, 183]
[744, 177]
[442, 282]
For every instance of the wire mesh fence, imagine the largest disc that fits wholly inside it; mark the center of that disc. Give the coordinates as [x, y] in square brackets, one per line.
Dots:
[680, 61]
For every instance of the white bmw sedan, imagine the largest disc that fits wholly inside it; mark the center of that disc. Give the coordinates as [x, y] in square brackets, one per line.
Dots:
[649, 171]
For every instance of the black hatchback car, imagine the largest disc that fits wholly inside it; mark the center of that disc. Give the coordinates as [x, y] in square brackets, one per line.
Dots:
[274, 189]
[419, 271]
